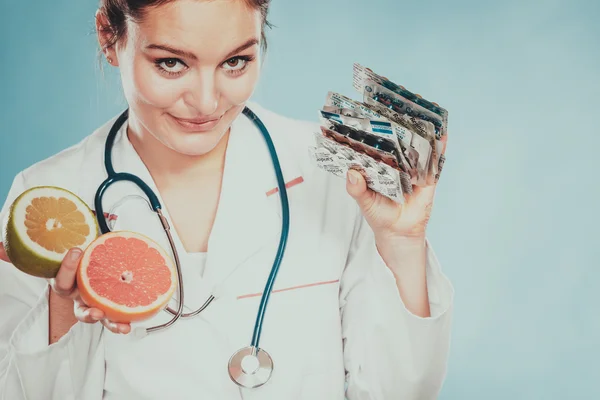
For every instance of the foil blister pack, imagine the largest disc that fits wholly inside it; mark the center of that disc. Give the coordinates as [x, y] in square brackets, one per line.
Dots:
[394, 137]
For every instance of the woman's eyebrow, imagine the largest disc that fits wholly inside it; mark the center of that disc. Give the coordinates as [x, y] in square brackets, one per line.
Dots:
[181, 53]
[249, 43]
[186, 54]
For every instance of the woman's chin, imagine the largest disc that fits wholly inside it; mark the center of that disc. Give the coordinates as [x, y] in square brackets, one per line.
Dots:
[193, 151]
[197, 146]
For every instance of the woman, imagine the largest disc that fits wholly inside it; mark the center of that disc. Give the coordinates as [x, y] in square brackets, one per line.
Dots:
[361, 307]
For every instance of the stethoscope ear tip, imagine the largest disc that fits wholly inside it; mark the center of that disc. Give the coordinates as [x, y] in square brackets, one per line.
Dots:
[140, 333]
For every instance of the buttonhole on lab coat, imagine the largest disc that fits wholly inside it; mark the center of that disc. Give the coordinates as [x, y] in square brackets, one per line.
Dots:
[109, 217]
[293, 182]
[308, 285]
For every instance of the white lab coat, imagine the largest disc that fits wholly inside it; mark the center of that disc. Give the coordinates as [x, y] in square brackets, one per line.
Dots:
[335, 320]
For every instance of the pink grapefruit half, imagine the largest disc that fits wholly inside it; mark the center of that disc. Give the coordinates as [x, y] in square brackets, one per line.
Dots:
[127, 275]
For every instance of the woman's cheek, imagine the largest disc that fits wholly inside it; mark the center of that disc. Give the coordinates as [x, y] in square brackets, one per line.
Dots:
[239, 90]
[155, 89]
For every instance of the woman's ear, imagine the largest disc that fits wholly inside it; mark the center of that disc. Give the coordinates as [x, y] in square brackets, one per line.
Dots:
[105, 34]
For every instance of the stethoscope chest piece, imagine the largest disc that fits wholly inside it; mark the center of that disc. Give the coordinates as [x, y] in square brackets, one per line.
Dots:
[250, 367]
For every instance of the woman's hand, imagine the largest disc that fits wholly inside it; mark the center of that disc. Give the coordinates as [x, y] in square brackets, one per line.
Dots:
[389, 220]
[64, 285]
[399, 231]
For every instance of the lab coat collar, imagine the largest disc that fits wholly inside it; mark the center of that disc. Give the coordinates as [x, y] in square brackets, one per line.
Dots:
[249, 213]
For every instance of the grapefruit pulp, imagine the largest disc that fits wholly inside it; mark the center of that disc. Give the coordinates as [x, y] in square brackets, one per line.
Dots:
[126, 275]
[42, 224]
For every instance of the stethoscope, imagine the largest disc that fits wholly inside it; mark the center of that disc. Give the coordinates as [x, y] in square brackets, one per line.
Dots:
[251, 366]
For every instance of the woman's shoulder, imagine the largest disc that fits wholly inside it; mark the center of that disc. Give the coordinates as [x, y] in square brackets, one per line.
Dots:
[292, 137]
[65, 169]
[60, 167]
[297, 131]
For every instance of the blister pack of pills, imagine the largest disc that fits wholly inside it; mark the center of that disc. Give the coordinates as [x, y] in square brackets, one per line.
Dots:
[394, 137]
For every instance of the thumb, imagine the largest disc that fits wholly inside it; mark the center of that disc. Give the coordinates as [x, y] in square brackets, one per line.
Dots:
[65, 281]
[356, 185]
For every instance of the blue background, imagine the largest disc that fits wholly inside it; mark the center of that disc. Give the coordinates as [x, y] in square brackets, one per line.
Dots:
[515, 218]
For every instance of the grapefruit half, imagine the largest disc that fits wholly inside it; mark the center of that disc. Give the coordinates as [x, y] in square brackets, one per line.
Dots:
[42, 224]
[126, 275]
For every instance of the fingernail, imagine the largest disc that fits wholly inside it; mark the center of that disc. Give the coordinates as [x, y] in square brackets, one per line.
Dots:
[75, 253]
[108, 324]
[122, 329]
[352, 178]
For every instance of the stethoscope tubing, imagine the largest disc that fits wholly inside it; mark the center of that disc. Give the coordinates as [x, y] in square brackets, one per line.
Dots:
[114, 177]
[285, 227]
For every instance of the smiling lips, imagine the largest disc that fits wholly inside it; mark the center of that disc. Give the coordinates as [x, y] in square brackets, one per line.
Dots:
[196, 124]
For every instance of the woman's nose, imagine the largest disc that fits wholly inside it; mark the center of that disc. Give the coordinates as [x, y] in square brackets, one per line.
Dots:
[203, 96]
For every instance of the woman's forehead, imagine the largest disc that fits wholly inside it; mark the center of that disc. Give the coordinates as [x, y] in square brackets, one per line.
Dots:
[200, 26]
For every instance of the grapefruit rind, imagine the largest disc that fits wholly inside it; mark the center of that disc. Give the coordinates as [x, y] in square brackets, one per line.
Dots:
[117, 312]
[27, 255]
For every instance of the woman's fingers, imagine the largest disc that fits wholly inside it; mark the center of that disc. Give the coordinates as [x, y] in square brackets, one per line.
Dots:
[64, 282]
[116, 327]
[86, 314]
[91, 315]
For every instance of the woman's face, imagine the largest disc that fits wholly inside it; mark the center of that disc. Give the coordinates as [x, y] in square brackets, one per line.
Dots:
[187, 69]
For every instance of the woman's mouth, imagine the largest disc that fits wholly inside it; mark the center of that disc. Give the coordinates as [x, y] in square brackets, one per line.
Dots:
[196, 124]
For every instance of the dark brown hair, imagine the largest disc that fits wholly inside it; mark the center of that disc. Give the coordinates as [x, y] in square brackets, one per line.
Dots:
[118, 11]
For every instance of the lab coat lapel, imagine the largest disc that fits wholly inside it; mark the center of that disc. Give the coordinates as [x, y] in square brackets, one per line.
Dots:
[246, 221]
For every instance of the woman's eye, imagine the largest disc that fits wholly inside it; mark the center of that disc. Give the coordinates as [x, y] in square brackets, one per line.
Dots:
[235, 64]
[171, 65]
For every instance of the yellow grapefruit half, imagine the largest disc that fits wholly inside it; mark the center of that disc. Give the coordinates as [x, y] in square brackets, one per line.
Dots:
[42, 224]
